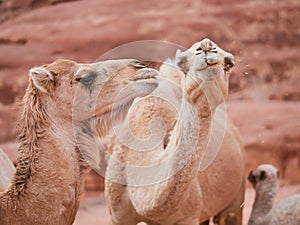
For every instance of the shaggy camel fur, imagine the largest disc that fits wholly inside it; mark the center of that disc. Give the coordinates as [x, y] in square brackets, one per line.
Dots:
[265, 181]
[48, 179]
[7, 170]
[161, 183]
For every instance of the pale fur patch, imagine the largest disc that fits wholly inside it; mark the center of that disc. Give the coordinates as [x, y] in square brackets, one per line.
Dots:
[38, 73]
[7, 171]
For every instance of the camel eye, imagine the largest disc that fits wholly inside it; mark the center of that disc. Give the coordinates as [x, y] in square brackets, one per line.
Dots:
[86, 80]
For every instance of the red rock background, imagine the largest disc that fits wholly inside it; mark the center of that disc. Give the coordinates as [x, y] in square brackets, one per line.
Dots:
[264, 36]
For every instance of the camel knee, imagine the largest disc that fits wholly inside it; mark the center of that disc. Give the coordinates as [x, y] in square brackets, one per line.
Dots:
[229, 218]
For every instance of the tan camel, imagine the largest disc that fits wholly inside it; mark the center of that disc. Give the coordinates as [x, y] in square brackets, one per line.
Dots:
[7, 170]
[186, 178]
[266, 183]
[48, 179]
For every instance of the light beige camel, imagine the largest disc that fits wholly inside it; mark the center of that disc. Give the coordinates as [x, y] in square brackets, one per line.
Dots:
[266, 183]
[7, 170]
[197, 170]
[48, 179]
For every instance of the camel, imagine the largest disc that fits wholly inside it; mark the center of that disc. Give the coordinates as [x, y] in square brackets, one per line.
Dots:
[183, 176]
[265, 181]
[48, 180]
[7, 170]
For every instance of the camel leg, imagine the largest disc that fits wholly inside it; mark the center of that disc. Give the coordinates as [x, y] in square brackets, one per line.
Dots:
[233, 214]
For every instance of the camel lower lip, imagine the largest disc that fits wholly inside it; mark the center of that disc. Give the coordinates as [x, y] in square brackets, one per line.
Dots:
[143, 77]
[211, 65]
[207, 66]
[144, 74]
[145, 80]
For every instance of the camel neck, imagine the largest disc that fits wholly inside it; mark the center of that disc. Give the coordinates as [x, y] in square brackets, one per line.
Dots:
[193, 128]
[263, 203]
[46, 167]
[33, 125]
[187, 143]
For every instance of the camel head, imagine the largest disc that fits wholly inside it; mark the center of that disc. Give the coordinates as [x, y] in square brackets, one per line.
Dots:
[264, 177]
[205, 63]
[73, 91]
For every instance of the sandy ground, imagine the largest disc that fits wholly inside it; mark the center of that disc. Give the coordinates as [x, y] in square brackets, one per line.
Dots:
[93, 209]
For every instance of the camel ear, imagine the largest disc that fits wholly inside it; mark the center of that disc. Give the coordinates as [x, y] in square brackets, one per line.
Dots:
[251, 177]
[41, 78]
[178, 52]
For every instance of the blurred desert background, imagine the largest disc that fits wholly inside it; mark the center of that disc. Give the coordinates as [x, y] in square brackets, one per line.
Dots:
[264, 36]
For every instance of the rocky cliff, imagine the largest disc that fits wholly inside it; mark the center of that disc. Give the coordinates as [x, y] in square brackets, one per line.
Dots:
[264, 36]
